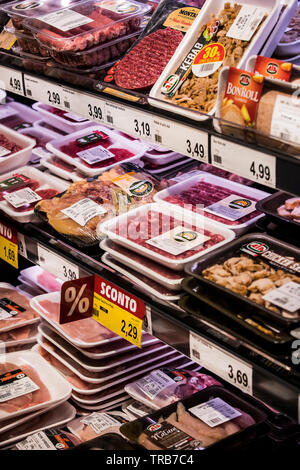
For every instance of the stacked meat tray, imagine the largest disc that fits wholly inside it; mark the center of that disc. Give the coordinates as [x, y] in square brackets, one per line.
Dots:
[202, 247]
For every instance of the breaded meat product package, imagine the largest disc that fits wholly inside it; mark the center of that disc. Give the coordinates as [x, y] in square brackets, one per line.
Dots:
[96, 424]
[15, 310]
[77, 213]
[165, 386]
[141, 66]
[208, 418]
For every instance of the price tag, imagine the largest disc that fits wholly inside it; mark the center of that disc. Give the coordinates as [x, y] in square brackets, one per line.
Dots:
[181, 138]
[118, 310]
[48, 93]
[249, 163]
[9, 245]
[223, 364]
[94, 109]
[57, 265]
[11, 80]
[131, 121]
[22, 245]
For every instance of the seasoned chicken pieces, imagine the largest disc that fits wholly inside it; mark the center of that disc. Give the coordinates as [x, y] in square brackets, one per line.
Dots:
[290, 209]
[252, 279]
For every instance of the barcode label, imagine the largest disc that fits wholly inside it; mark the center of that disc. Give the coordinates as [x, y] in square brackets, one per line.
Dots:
[196, 354]
[67, 104]
[154, 383]
[287, 296]
[218, 159]
[28, 92]
[158, 138]
[206, 67]
[109, 119]
[214, 412]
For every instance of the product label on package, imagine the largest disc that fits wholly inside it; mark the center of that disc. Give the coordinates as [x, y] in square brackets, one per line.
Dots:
[65, 19]
[209, 60]
[9, 309]
[27, 5]
[215, 412]
[100, 421]
[4, 151]
[22, 197]
[83, 211]
[286, 296]
[273, 68]
[178, 240]
[232, 207]
[167, 436]
[15, 384]
[133, 186]
[50, 439]
[285, 118]
[95, 155]
[91, 138]
[247, 22]
[154, 383]
[121, 7]
[13, 182]
[182, 18]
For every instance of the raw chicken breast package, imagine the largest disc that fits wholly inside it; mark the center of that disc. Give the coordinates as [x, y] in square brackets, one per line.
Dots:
[15, 310]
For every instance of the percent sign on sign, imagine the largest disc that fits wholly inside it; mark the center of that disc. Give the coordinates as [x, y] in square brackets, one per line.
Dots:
[77, 299]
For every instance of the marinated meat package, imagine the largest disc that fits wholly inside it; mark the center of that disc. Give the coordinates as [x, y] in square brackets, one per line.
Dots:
[65, 121]
[49, 439]
[96, 424]
[77, 213]
[15, 311]
[147, 58]
[170, 236]
[259, 269]
[162, 387]
[282, 207]
[247, 101]
[224, 34]
[223, 201]
[41, 278]
[17, 336]
[21, 190]
[57, 416]
[96, 149]
[87, 24]
[28, 383]
[206, 418]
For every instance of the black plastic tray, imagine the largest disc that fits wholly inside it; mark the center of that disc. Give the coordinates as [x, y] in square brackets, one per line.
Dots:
[132, 430]
[269, 205]
[231, 308]
[232, 249]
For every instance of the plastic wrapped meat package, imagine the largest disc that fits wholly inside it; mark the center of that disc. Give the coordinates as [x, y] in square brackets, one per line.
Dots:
[28, 383]
[22, 189]
[15, 310]
[60, 168]
[165, 386]
[42, 279]
[17, 116]
[78, 212]
[169, 235]
[209, 417]
[15, 149]
[282, 208]
[97, 424]
[67, 122]
[225, 202]
[18, 336]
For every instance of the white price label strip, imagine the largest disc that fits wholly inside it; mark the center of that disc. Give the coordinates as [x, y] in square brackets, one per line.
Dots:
[131, 121]
[256, 166]
[48, 93]
[11, 80]
[223, 364]
[57, 265]
[181, 138]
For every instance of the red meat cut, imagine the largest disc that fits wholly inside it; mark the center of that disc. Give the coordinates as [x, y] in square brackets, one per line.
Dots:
[142, 66]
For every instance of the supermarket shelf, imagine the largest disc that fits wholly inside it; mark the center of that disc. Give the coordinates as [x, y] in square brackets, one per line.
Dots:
[274, 381]
[191, 138]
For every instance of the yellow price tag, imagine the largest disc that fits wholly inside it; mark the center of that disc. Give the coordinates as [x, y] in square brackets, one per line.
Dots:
[8, 245]
[118, 310]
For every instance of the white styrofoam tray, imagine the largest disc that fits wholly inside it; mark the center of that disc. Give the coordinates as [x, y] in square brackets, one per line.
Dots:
[286, 49]
[16, 159]
[5, 285]
[172, 284]
[183, 216]
[212, 7]
[18, 342]
[31, 275]
[47, 162]
[45, 181]
[58, 387]
[169, 167]
[105, 405]
[134, 146]
[245, 191]
[59, 122]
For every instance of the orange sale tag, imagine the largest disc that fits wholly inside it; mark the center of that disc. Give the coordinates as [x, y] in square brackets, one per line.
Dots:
[209, 59]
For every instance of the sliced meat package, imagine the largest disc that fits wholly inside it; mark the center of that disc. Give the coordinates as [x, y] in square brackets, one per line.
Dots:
[50, 439]
[165, 386]
[15, 310]
[77, 213]
[147, 58]
[18, 336]
[96, 424]
[207, 418]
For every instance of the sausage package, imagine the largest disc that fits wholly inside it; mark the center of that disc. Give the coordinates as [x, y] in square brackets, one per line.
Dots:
[139, 69]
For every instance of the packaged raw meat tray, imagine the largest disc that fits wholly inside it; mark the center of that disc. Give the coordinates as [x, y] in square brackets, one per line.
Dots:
[96, 149]
[28, 383]
[21, 190]
[77, 213]
[17, 116]
[15, 149]
[19, 336]
[290, 42]
[168, 235]
[41, 139]
[68, 122]
[211, 417]
[146, 59]
[160, 274]
[42, 279]
[224, 33]
[96, 424]
[260, 270]
[60, 168]
[229, 203]
[15, 310]
[282, 207]
[87, 24]
[27, 43]
[165, 386]
[49, 439]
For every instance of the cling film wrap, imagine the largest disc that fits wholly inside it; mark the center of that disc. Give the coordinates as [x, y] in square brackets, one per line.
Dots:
[77, 213]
